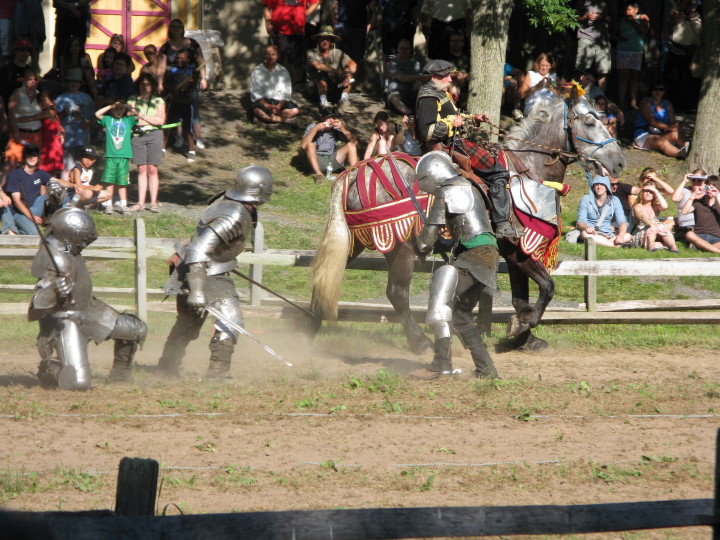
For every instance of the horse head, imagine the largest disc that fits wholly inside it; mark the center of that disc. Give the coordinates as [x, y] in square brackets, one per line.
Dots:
[589, 139]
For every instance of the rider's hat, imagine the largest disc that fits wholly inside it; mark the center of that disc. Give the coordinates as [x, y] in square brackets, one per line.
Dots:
[438, 68]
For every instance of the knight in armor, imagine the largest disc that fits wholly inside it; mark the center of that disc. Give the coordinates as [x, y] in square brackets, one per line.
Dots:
[200, 270]
[68, 313]
[438, 121]
[459, 206]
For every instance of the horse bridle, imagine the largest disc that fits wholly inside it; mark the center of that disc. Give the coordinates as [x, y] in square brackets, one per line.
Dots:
[580, 110]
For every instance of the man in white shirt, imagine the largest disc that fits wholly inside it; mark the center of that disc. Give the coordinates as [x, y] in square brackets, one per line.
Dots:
[270, 90]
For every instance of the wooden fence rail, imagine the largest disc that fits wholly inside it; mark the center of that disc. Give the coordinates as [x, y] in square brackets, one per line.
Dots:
[137, 480]
[141, 248]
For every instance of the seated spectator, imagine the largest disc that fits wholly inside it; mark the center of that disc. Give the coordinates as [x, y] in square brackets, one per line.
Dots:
[382, 139]
[609, 120]
[271, 89]
[403, 79]
[26, 187]
[652, 233]
[406, 140]
[76, 110]
[330, 71]
[648, 174]
[705, 207]
[120, 84]
[656, 127]
[81, 192]
[320, 146]
[598, 212]
[180, 84]
[685, 231]
[538, 82]
[117, 43]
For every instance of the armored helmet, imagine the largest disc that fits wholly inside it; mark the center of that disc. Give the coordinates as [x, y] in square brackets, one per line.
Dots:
[74, 228]
[252, 184]
[433, 169]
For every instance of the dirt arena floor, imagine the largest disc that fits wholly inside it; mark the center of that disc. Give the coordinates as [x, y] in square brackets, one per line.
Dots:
[344, 428]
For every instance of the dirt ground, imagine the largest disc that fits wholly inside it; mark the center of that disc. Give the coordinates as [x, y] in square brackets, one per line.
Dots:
[563, 427]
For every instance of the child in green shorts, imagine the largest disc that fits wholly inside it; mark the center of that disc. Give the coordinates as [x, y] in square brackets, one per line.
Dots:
[118, 120]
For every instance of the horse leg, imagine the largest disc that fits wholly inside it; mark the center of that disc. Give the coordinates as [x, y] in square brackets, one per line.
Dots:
[521, 268]
[400, 262]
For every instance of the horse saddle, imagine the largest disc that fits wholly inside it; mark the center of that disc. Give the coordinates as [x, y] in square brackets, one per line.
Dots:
[462, 161]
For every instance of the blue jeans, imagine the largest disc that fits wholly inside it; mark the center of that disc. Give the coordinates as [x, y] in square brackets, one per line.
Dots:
[18, 223]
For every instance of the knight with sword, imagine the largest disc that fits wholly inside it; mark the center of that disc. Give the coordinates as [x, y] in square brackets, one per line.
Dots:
[200, 279]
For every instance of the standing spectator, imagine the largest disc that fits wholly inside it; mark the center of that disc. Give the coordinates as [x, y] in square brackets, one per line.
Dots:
[29, 23]
[383, 136]
[512, 79]
[154, 59]
[24, 104]
[652, 233]
[686, 222]
[705, 206]
[120, 85]
[147, 144]
[685, 38]
[71, 19]
[105, 69]
[609, 120]
[598, 212]
[320, 146]
[117, 43]
[398, 22]
[438, 19]
[11, 74]
[355, 18]
[75, 57]
[175, 43]
[538, 82]
[7, 11]
[118, 121]
[180, 81]
[634, 26]
[285, 24]
[271, 89]
[26, 187]
[461, 74]
[53, 137]
[403, 79]
[330, 70]
[76, 110]
[593, 52]
[656, 127]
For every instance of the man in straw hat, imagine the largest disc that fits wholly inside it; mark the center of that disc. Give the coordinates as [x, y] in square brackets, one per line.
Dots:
[330, 70]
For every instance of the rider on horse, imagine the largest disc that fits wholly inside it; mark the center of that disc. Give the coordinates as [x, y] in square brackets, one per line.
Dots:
[438, 120]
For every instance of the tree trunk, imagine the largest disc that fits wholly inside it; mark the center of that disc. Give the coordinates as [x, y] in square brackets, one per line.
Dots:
[705, 149]
[491, 20]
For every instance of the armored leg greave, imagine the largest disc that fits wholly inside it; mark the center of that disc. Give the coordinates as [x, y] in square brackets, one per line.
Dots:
[185, 329]
[442, 361]
[122, 362]
[484, 366]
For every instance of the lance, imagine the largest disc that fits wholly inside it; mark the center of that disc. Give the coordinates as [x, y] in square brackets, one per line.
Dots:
[280, 296]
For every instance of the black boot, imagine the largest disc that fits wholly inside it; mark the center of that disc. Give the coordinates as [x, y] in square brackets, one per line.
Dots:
[220, 358]
[441, 364]
[497, 179]
[484, 366]
[182, 333]
[121, 371]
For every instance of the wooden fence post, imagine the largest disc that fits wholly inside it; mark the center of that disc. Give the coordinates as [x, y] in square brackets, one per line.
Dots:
[256, 270]
[716, 500]
[590, 281]
[136, 487]
[140, 269]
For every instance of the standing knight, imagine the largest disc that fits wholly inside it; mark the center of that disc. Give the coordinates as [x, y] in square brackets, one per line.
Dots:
[69, 315]
[456, 287]
[438, 121]
[200, 270]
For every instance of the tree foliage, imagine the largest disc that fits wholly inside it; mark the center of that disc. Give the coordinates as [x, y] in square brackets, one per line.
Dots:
[554, 15]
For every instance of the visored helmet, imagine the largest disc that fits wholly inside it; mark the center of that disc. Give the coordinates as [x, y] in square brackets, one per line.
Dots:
[74, 228]
[433, 169]
[252, 184]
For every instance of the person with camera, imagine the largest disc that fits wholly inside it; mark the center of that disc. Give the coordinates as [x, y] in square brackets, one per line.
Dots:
[320, 146]
[703, 203]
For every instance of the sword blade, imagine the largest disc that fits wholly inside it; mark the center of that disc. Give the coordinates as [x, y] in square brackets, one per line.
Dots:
[234, 326]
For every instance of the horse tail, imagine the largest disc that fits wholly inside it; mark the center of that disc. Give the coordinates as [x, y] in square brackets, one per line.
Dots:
[332, 254]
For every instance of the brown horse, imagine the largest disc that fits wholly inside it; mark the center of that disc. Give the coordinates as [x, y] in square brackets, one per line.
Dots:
[370, 208]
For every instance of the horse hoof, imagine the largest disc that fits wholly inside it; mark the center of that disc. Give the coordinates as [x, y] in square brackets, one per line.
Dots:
[515, 327]
[535, 344]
